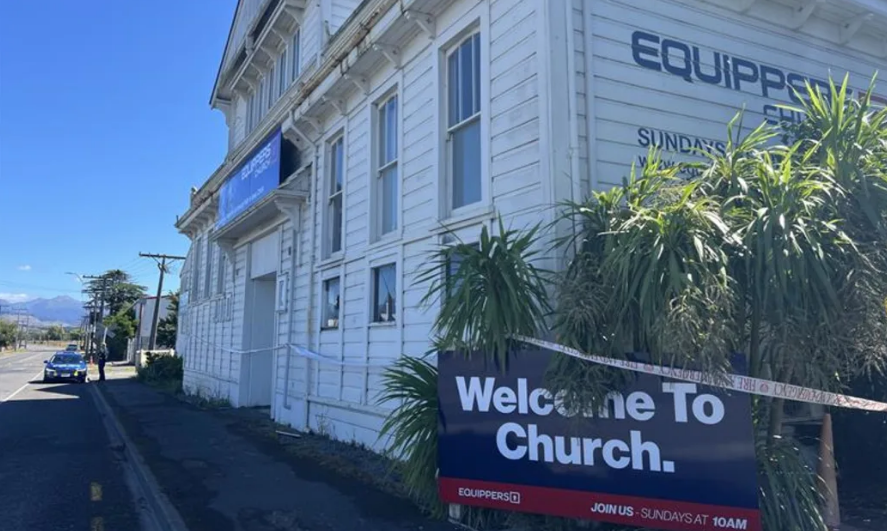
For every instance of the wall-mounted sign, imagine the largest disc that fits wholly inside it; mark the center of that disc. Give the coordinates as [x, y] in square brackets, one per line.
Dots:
[256, 177]
[673, 76]
[659, 453]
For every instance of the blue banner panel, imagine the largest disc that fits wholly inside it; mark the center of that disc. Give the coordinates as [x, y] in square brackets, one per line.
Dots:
[257, 176]
[659, 453]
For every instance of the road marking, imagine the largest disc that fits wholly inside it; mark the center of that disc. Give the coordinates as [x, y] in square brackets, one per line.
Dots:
[95, 492]
[20, 389]
[32, 357]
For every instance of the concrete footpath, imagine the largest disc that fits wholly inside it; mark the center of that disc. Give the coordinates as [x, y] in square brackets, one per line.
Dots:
[221, 472]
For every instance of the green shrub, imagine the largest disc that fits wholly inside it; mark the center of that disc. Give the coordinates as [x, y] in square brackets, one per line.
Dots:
[162, 368]
[412, 426]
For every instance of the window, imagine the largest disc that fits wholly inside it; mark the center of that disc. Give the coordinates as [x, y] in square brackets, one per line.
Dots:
[195, 272]
[294, 56]
[220, 271]
[334, 196]
[260, 99]
[207, 281]
[386, 175]
[463, 122]
[454, 262]
[453, 265]
[250, 111]
[282, 80]
[384, 294]
[282, 291]
[330, 313]
[270, 88]
[254, 100]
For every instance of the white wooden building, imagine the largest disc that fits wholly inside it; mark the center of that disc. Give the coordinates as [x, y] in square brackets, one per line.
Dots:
[402, 119]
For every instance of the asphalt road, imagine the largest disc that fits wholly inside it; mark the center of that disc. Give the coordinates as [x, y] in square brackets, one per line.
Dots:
[58, 471]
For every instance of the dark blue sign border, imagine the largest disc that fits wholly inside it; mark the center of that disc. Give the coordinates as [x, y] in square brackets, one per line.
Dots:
[655, 463]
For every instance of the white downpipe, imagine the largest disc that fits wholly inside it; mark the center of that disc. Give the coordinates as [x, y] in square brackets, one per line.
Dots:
[309, 318]
[573, 109]
[590, 113]
[572, 103]
[295, 250]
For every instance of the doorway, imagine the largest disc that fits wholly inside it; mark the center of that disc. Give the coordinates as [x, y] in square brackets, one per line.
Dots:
[256, 367]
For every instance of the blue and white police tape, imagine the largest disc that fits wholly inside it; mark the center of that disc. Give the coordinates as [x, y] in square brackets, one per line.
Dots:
[744, 384]
[298, 350]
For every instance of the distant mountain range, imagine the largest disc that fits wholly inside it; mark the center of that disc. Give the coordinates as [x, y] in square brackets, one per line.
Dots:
[63, 309]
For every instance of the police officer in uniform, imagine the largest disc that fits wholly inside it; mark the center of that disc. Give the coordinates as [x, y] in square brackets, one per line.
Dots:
[103, 357]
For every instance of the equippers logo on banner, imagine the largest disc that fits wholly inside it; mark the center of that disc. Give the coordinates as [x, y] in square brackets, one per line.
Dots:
[659, 453]
[256, 177]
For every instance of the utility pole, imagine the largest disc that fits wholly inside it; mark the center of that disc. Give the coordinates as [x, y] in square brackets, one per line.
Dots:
[100, 293]
[27, 326]
[22, 320]
[20, 314]
[90, 320]
[161, 264]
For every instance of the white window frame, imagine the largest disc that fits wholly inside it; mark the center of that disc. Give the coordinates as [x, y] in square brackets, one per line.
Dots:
[263, 94]
[254, 97]
[271, 88]
[474, 20]
[448, 269]
[258, 105]
[451, 129]
[324, 326]
[208, 280]
[195, 272]
[296, 59]
[377, 195]
[221, 271]
[282, 78]
[374, 267]
[330, 195]
[282, 293]
[250, 103]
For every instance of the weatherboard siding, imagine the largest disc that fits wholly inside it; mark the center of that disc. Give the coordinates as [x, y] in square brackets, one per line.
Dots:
[619, 107]
[310, 42]
[247, 12]
[343, 398]
[636, 106]
[340, 10]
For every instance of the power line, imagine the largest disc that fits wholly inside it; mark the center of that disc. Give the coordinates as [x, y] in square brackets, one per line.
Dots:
[161, 264]
[34, 286]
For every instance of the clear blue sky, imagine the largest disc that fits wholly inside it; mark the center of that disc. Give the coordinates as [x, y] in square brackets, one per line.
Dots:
[104, 127]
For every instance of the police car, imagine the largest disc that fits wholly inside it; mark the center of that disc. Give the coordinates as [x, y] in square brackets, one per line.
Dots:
[65, 366]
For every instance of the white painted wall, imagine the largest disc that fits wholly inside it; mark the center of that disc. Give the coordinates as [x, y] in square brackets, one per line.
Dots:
[144, 311]
[544, 140]
[340, 10]
[343, 401]
[310, 43]
[247, 12]
[632, 102]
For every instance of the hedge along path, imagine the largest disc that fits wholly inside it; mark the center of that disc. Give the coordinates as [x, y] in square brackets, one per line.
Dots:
[735, 382]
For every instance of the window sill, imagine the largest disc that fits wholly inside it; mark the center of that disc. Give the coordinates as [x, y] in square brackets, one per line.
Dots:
[389, 240]
[336, 258]
[466, 216]
[383, 324]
